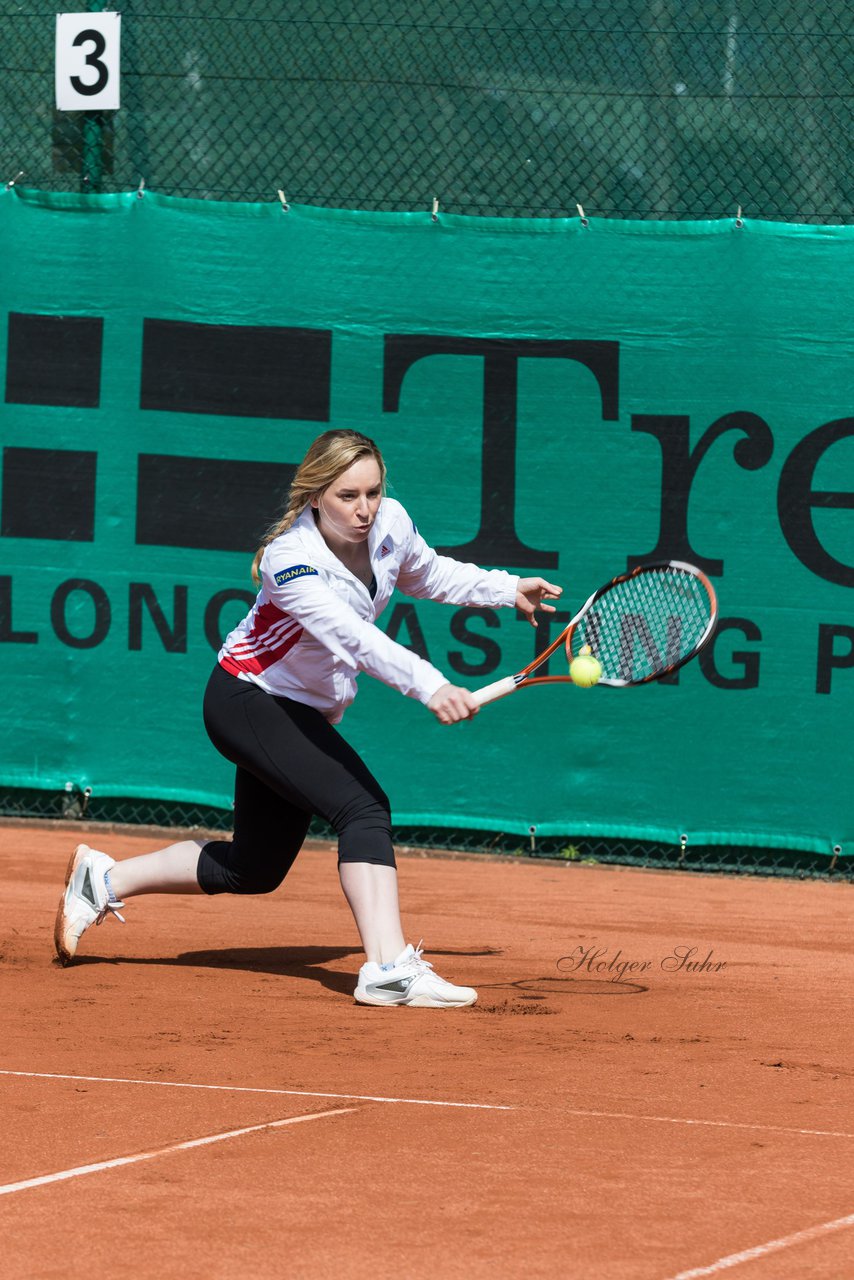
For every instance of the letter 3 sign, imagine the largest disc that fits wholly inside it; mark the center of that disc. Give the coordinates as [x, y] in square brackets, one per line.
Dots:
[87, 61]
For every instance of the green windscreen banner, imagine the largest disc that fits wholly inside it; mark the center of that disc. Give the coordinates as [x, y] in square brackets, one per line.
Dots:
[562, 397]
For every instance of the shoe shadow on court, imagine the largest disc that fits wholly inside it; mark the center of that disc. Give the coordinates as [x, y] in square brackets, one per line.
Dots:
[305, 963]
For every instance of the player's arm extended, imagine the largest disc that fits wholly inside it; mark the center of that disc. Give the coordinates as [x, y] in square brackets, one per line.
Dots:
[427, 575]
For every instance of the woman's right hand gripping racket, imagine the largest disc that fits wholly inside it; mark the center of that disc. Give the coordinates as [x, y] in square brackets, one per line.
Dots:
[640, 626]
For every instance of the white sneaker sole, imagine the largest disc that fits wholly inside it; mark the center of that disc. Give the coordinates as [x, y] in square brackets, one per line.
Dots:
[418, 1002]
[65, 954]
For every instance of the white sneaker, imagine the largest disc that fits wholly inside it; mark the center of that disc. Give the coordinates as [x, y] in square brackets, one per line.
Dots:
[410, 980]
[85, 900]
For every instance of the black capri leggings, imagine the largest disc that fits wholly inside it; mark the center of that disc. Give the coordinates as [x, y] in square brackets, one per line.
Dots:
[291, 764]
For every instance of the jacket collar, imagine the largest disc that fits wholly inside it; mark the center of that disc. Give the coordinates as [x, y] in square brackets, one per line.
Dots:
[307, 526]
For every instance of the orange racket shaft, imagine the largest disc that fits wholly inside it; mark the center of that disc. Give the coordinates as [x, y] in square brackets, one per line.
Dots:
[501, 688]
[509, 684]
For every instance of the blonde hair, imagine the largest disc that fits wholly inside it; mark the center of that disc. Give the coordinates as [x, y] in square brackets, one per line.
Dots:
[328, 456]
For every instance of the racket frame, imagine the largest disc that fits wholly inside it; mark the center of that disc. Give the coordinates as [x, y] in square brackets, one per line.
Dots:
[509, 684]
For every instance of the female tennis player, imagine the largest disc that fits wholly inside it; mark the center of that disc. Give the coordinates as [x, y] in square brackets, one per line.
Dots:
[283, 679]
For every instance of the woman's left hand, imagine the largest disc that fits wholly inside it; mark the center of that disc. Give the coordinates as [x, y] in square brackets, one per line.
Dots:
[531, 594]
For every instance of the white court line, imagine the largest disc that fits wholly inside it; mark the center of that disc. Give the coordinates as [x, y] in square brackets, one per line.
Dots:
[715, 1124]
[431, 1102]
[762, 1250]
[236, 1088]
[78, 1172]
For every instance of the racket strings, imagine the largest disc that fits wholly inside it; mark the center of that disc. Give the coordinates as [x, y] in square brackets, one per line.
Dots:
[644, 625]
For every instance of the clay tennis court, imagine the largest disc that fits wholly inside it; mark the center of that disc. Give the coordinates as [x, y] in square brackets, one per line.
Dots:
[199, 1096]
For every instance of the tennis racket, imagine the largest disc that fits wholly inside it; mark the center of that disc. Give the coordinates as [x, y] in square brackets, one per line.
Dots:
[640, 626]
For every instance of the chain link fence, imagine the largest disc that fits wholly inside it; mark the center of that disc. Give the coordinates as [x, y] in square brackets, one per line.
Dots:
[78, 806]
[631, 108]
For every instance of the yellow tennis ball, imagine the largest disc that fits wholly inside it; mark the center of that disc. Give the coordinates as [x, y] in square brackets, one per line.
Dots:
[585, 670]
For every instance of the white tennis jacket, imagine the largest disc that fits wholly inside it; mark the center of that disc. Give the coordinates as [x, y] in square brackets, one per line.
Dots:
[312, 627]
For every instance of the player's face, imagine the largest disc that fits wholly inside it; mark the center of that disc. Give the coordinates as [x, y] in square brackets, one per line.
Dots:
[348, 507]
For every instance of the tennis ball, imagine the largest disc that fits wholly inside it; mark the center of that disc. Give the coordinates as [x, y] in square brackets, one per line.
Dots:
[585, 670]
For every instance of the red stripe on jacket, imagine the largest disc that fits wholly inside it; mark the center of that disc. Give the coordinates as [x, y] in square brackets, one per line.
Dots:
[259, 649]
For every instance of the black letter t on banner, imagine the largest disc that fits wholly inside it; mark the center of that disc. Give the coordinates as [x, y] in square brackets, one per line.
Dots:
[496, 541]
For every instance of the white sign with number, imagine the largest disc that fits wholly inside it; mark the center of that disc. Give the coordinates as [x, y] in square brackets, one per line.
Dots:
[87, 61]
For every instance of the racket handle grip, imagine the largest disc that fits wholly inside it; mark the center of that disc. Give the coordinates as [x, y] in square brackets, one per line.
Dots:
[490, 692]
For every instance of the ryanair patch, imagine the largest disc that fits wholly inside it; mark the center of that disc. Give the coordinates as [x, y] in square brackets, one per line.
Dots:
[284, 576]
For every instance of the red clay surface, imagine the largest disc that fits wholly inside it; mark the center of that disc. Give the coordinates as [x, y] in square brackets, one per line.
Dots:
[655, 1126]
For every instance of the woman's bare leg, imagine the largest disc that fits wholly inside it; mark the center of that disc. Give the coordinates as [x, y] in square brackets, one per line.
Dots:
[169, 870]
[371, 891]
